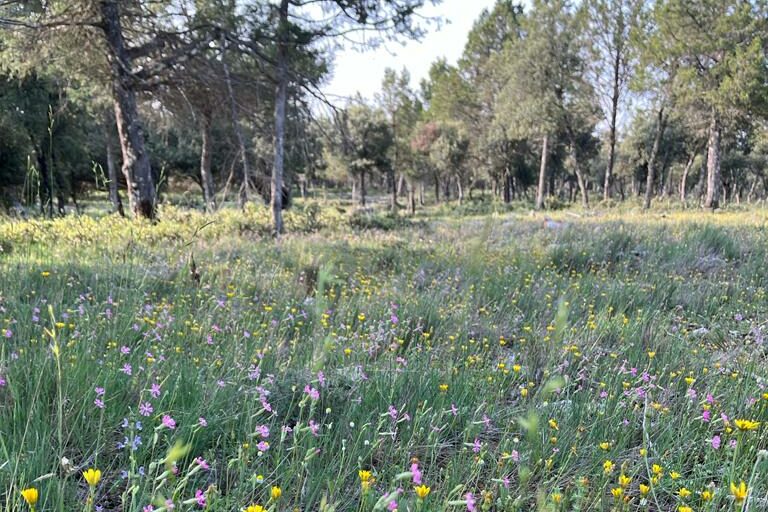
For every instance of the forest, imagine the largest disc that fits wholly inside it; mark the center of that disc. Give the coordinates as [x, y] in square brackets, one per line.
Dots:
[556, 103]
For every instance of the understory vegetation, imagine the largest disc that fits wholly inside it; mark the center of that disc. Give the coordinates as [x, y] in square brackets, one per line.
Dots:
[591, 361]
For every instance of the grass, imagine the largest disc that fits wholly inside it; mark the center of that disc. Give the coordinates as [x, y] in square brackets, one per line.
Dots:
[510, 365]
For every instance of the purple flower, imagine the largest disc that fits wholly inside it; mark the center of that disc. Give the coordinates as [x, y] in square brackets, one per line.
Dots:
[146, 409]
[476, 445]
[200, 497]
[705, 416]
[127, 369]
[125, 350]
[169, 422]
[202, 463]
[99, 403]
[2, 381]
[392, 412]
[202, 421]
[312, 392]
[155, 390]
[416, 473]
[99, 391]
[262, 446]
[314, 427]
[148, 508]
[392, 505]
[515, 455]
[716, 442]
[262, 430]
[470, 502]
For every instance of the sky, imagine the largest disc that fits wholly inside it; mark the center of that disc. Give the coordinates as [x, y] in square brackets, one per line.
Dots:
[355, 71]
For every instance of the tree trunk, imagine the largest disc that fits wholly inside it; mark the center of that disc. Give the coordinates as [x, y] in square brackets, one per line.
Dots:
[205, 163]
[660, 122]
[400, 185]
[245, 177]
[136, 165]
[612, 127]
[114, 192]
[684, 177]
[393, 183]
[46, 187]
[411, 198]
[713, 164]
[281, 98]
[507, 192]
[542, 174]
[421, 193]
[437, 188]
[362, 189]
[459, 190]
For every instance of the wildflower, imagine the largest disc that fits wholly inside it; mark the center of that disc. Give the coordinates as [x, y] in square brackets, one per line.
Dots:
[553, 424]
[416, 473]
[684, 508]
[169, 422]
[683, 492]
[146, 409]
[624, 481]
[470, 502]
[200, 497]
[617, 492]
[706, 495]
[605, 446]
[644, 489]
[715, 442]
[275, 493]
[31, 496]
[92, 476]
[443, 388]
[746, 425]
[557, 498]
[657, 470]
[422, 491]
[607, 466]
[674, 475]
[313, 393]
[739, 491]
[255, 508]
[364, 475]
[155, 390]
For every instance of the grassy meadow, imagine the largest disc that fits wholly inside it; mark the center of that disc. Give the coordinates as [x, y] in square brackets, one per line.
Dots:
[603, 361]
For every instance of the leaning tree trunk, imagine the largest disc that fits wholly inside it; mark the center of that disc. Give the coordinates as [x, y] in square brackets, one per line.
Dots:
[114, 192]
[660, 122]
[542, 174]
[245, 177]
[713, 163]
[684, 177]
[281, 98]
[136, 166]
[205, 163]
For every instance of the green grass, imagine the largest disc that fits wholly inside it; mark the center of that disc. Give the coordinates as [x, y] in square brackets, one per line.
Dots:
[492, 351]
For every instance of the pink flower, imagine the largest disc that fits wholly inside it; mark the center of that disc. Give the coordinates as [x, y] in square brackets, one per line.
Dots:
[314, 427]
[392, 505]
[416, 473]
[716, 442]
[262, 430]
[476, 445]
[515, 455]
[200, 497]
[470, 502]
[262, 446]
[202, 421]
[146, 409]
[169, 422]
[705, 416]
[202, 463]
[155, 390]
[392, 412]
[312, 392]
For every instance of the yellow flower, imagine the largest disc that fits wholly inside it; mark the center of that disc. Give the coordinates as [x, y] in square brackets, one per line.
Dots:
[30, 495]
[746, 425]
[706, 495]
[683, 492]
[255, 508]
[364, 475]
[651, 354]
[422, 491]
[524, 392]
[624, 481]
[657, 470]
[275, 493]
[643, 452]
[443, 387]
[617, 492]
[553, 424]
[683, 508]
[516, 368]
[605, 446]
[674, 475]
[557, 497]
[607, 466]
[644, 489]
[92, 476]
[739, 491]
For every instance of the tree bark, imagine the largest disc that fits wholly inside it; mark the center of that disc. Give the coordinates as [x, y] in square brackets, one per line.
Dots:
[660, 122]
[542, 174]
[136, 165]
[245, 177]
[362, 189]
[507, 186]
[114, 191]
[684, 177]
[459, 190]
[281, 98]
[612, 129]
[712, 200]
[205, 163]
